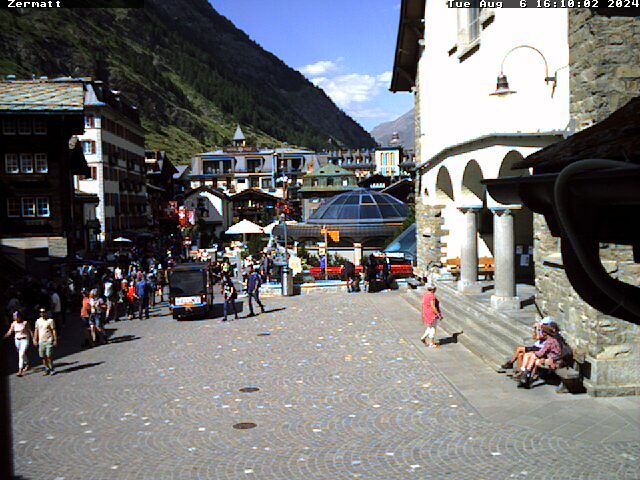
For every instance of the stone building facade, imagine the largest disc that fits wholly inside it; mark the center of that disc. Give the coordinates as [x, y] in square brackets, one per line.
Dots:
[595, 60]
[604, 55]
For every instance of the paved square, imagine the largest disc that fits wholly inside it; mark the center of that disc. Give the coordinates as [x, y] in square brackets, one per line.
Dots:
[341, 395]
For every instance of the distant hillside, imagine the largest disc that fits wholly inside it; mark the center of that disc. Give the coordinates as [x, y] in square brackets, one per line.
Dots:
[403, 125]
[193, 74]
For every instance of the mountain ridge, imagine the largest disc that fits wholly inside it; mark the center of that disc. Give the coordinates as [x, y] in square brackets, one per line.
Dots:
[192, 73]
[403, 125]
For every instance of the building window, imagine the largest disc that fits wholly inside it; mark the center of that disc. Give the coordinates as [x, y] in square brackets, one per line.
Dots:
[24, 127]
[8, 127]
[345, 182]
[13, 207]
[26, 163]
[42, 163]
[468, 25]
[92, 176]
[329, 182]
[42, 207]
[88, 147]
[11, 163]
[89, 121]
[40, 127]
[266, 183]
[28, 207]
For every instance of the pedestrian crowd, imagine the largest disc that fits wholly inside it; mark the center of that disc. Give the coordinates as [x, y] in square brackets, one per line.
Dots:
[36, 309]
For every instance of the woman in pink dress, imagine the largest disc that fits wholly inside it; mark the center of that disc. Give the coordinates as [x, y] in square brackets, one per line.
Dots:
[430, 316]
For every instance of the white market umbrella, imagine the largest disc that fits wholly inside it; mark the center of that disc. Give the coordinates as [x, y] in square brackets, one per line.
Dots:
[244, 228]
[123, 240]
[269, 228]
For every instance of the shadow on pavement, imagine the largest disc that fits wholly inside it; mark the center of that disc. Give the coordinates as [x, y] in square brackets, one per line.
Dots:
[452, 339]
[273, 310]
[122, 338]
[71, 338]
[75, 368]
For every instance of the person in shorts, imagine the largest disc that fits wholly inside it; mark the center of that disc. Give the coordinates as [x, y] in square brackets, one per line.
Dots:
[85, 315]
[431, 314]
[46, 339]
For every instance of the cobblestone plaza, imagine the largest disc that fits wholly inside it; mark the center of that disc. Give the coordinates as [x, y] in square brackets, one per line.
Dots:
[344, 391]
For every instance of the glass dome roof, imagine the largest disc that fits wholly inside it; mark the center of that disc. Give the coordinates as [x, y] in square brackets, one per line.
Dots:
[360, 207]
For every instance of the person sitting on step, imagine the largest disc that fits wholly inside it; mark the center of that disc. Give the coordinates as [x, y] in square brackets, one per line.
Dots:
[522, 349]
[549, 356]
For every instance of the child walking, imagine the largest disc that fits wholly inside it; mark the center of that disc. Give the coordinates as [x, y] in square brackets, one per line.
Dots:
[431, 314]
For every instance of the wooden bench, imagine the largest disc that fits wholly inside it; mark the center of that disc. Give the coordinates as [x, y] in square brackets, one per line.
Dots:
[453, 265]
[486, 267]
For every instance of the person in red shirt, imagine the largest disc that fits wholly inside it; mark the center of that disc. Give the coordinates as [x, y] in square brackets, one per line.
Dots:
[131, 300]
[85, 314]
[431, 314]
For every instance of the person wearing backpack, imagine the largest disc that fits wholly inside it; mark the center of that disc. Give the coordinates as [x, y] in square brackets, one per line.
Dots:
[253, 290]
[230, 295]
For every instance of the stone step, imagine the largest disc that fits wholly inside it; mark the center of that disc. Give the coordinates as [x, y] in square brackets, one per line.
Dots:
[476, 340]
[503, 322]
[488, 334]
[472, 315]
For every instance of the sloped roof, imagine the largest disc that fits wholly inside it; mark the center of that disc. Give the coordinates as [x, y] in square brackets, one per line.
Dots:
[253, 192]
[410, 31]
[330, 170]
[180, 171]
[238, 135]
[44, 96]
[204, 188]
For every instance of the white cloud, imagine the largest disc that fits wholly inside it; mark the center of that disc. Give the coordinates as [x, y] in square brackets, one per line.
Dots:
[385, 77]
[355, 93]
[321, 67]
[353, 88]
[349, 89]
[371, 112]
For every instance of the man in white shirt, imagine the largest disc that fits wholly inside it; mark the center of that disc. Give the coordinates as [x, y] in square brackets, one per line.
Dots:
[56, 306]
[45, 338]
[109, 294]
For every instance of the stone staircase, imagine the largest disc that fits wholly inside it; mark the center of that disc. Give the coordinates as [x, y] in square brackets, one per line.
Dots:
[489, 334]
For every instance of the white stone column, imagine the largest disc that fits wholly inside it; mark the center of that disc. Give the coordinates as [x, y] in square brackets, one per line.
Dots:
[504, 297]
[357, 254]
[469, 253]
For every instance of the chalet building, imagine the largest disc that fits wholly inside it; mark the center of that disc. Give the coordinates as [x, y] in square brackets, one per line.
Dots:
[322, 183]
[88, 228]
[39, 119]
[181, 182]
[359, 161]
[213, 214]
[255, 205]
[161, 191]
[558, 71]
[240, 167]
[113, 144]
[377, 182]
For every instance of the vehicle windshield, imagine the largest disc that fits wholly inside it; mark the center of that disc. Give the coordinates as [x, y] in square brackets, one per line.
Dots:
[184, 283]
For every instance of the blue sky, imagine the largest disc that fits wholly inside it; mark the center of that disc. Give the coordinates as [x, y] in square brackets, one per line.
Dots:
[344, 46]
